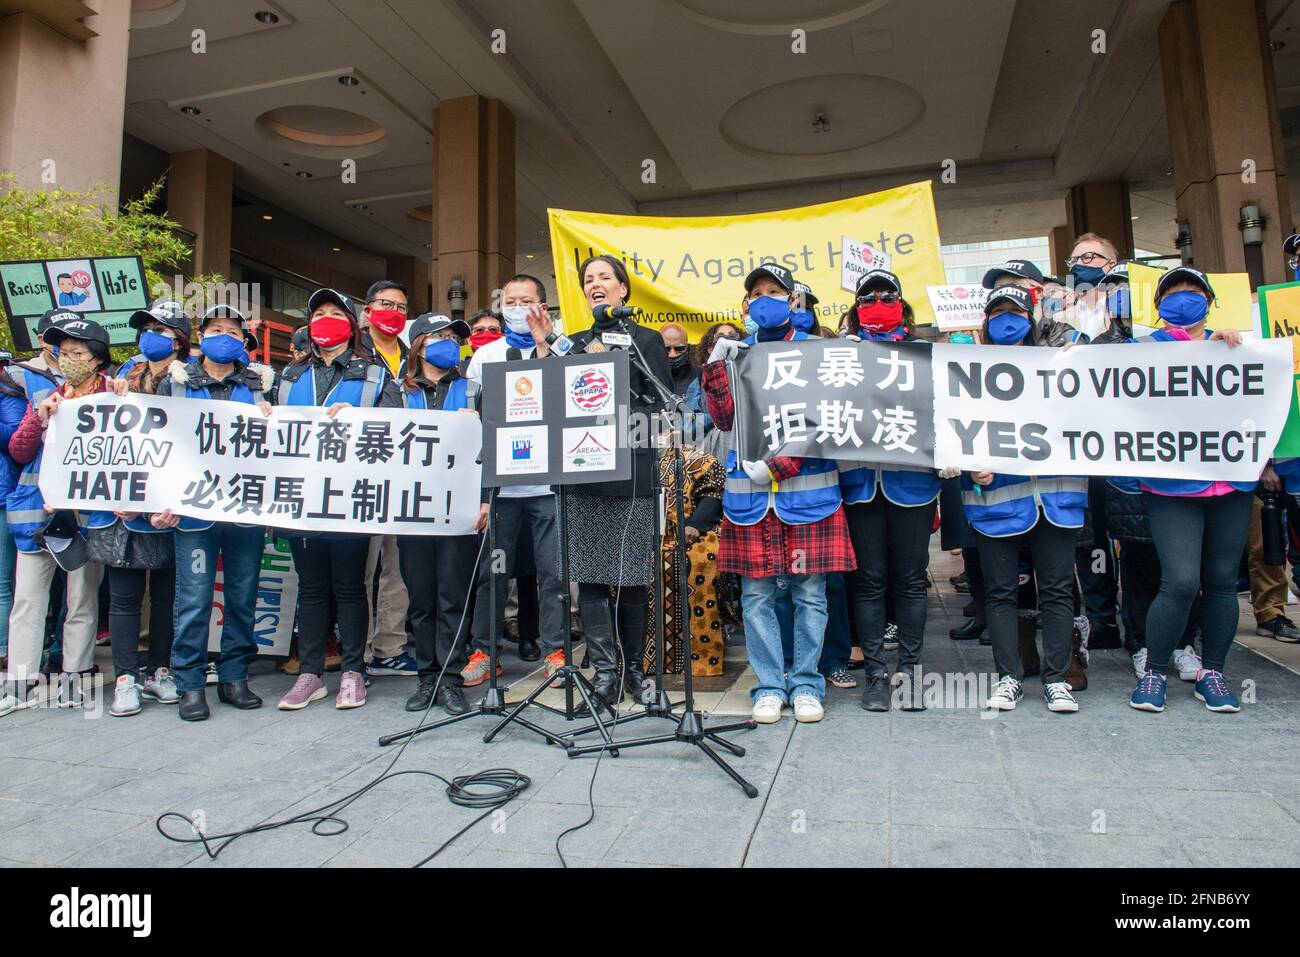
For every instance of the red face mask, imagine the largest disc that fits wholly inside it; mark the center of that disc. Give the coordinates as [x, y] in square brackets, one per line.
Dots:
[481, 338]
[388, 321]
[880, 316]
[330, 331]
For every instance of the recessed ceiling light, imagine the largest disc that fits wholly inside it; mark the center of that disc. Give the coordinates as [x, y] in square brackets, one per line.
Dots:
[303, 174]
[191, 110]
[336, 249]
[266, 16]
[349, 80]
[1134, 218]
[528, 256]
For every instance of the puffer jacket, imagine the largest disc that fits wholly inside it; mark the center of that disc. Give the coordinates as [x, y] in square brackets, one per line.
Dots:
[1126, 514]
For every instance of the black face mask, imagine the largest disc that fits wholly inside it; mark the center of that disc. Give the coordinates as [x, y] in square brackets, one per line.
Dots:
[681, 361]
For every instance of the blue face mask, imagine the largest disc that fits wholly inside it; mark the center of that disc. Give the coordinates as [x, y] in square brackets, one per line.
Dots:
[751, 326]
[155, 347]
[803, 319]
[962, 339]
[1087, 275]
[769, 311]
[222, 349]
[442, 353]
[1052, 306]
[1184, 308]
[1008, 328]
[1119, 305]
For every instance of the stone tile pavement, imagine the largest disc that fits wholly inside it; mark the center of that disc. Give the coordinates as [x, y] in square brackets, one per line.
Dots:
[947, 787]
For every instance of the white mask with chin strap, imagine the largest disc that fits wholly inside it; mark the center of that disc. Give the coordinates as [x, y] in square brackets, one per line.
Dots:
[1090, 319]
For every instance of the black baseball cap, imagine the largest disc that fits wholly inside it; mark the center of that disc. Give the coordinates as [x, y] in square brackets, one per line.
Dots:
[82, 329]
[1019, 268]
[223, 312]
[53, 316]
[6, 357]
[803, 289]
[324, 295]
[251, 342]
[1183, 274]
[1116, 274]
[783, 277]
[64, 541]
[167, 311]
[437, 322]
[1291, 245]
[1018, 296]
[878, 277]
[302, 339]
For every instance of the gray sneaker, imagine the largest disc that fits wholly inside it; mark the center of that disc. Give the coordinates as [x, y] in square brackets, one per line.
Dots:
[126, 697]
[161, 688]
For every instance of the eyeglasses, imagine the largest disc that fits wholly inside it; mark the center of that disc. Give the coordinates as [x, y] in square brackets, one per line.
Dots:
[388, 304]
[871, 298]
[1087, 259]
[675, 350]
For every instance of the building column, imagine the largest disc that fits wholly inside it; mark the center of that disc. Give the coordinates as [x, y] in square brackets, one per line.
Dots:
[1059, 243]
[473, 200]
[1100, 208]
[1224, 133]
[199, 195]
[63, 96]
[414, 275]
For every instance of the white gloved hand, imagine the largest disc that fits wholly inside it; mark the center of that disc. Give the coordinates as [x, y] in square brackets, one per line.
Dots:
[726, 348]
[758, 472]
[949, 472]
[850, 337]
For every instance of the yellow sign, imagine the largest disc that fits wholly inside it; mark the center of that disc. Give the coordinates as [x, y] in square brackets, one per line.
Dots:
[1231, 308]
[1279, 318]
[691, 269]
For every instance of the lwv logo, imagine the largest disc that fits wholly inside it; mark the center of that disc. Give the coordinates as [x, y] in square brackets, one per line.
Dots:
[75, 910]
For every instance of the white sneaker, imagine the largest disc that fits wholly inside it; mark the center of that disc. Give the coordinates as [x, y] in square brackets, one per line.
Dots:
[767, 709]
[161, 687]
[1187, 662]
[1058, 697]
[1140, 662]
[9, 702]
[126, 697]
[808, 709]
[1006, 695]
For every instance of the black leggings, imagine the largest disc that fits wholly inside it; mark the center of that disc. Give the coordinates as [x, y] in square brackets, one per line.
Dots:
[892, 546]
[331, 567]
[1199, 541]
[126, 596]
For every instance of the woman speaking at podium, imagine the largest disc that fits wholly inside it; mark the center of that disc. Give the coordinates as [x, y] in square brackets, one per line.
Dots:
[611, 550]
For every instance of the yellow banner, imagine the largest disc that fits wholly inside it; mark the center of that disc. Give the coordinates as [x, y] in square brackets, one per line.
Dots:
[1231, 308]
[691, 269]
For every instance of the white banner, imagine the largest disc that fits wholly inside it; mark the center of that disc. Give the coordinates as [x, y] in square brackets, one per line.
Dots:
[1195, 410]
[374, 471]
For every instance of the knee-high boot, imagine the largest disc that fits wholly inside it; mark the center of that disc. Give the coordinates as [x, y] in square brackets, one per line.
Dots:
[598, 631]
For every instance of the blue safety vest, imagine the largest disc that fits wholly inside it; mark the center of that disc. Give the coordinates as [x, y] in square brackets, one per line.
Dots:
[460, 395]
[907, 487]
[36, 383]
[25, 506]
[359, 391]
[128, 365]
[1010, 504]
[810, 496]
[1288, 470]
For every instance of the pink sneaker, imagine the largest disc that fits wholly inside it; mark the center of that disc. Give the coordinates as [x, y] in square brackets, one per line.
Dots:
[352, 691]
[305, 690]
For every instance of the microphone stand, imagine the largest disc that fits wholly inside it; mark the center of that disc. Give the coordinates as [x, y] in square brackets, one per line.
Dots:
[691, 728]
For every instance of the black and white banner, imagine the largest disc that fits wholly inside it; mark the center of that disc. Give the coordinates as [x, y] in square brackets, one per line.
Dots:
[1196, 410]
[374, 471]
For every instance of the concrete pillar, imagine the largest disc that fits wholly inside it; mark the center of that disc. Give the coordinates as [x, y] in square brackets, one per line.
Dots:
[1100, 208]
[199, 185]
[414, 275]
[1224, 133]
[63, 97]
[473, 199]
[1059, 243]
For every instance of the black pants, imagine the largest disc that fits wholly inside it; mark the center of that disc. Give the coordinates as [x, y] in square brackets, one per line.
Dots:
[1095, 563]
[892, 546]
[1052, 549]
[438, 572]
[1200, 542]
[511, 517]
[970, 558]
[604, 629]
[331, 567]
[126, 597]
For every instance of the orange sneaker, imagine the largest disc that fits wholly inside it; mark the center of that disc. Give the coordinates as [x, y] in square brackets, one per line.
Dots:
[478, 669]
[554, 662]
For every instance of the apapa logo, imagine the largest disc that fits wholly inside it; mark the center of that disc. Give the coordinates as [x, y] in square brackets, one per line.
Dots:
[591, 391]
[77, 910]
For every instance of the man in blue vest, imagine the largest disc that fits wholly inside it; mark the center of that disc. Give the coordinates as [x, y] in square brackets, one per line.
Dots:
[782, 523]
[219, 373]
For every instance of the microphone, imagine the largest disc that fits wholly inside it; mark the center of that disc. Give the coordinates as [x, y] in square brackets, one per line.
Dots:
[615, 312]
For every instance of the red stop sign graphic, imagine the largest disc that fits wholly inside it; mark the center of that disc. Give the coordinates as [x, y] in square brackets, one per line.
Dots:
[81, 279]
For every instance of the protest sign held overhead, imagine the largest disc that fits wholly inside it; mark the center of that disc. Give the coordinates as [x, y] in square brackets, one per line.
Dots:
[377, 471]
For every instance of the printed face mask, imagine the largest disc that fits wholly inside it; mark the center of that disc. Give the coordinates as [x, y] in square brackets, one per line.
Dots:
[388, 321]
[442, 353]
[769, 311]
[76, 371]
[1008, 328]
[222, 349]
[155, 347]
[330, 331]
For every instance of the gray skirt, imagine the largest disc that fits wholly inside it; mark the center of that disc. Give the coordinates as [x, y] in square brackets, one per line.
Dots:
[601, 530]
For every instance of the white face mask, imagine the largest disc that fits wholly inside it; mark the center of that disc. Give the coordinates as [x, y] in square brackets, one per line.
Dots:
[1090, 319]
[516, 317]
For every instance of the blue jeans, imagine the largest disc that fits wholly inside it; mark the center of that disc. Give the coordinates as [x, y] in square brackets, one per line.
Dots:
[196, 571]
[760, 598]
[838, 644]
[8, 558]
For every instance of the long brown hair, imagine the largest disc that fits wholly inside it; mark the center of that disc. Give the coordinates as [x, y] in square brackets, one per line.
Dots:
[705, 347]
[410, 373]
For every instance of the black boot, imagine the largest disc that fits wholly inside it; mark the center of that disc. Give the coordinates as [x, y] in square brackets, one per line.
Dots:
[451, 698]
[238, 694]
[967, 631]
[632, 636]
[598, 631]
[422, 696]
[875, 696]
[194, 706]
[529, 650]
